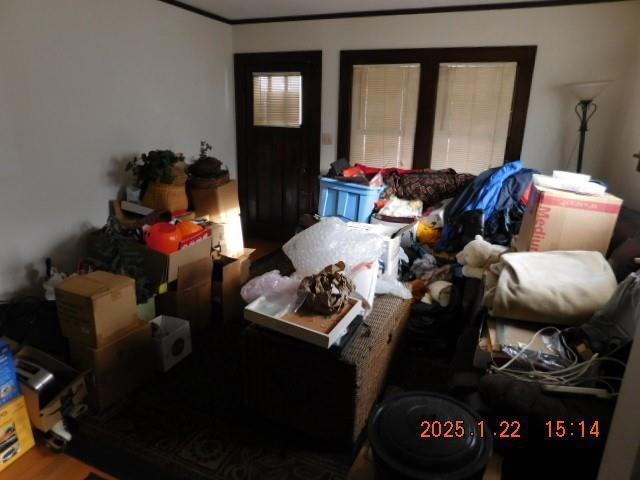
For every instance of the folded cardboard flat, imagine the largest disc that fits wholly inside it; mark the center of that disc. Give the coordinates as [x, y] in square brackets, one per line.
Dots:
[322, 331]
[559, 220]
[16, 437]
[46, 412]
[229, 274]
[189, 296]
[123, 364]
[220, 204]
[95, 306]
[163, 268]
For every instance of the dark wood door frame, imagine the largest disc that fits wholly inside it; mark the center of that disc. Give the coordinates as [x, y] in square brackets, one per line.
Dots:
[309, 61]
[429, 60]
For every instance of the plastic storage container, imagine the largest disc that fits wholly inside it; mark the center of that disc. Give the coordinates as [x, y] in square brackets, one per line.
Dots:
[350, 201]
[408, 435]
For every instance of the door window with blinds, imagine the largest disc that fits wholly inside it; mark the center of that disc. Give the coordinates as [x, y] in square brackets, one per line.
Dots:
[438, 108]
[383, 114]
[277, 99]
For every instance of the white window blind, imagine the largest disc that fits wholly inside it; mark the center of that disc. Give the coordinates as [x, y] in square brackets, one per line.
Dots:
[473, 111]
[383, 114]
[277, 99]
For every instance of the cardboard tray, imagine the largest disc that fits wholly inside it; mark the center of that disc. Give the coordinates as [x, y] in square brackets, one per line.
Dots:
[263, 312]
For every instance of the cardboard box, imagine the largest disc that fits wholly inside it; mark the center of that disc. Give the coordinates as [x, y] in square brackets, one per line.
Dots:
[228, 238]
[163, 268]
[171, 341]
[229, 275]
[16, 437]
[123, 364]
[96, 306]
[46, 410]
[220, 204]
[8, 381]
[558, 220]
[364, 466]
[189, 297]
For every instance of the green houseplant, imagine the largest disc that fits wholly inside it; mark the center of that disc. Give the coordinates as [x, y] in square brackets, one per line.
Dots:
[205, 175]
[115, 250]
[161, 180]
[207, 168]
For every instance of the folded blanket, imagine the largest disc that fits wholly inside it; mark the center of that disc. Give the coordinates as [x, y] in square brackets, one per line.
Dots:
[563, 288]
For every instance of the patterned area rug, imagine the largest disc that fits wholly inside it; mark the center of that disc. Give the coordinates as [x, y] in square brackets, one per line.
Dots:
[189, 424]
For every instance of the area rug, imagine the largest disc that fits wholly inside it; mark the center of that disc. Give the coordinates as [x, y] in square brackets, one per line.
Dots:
[189, 423]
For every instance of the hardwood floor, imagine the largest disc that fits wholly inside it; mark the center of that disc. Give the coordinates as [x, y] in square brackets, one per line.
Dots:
[39, 463]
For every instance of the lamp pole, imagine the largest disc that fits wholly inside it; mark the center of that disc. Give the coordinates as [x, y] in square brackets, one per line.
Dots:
[584, 111]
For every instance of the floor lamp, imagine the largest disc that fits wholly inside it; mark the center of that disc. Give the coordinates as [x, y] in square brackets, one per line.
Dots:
[585, 92]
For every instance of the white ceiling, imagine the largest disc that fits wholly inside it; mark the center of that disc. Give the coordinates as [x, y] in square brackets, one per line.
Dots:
[242, 9]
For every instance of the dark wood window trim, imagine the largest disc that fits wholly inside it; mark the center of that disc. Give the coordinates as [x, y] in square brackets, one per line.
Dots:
[429, 60]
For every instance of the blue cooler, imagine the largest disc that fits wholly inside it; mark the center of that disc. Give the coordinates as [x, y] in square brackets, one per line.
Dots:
[350, 201]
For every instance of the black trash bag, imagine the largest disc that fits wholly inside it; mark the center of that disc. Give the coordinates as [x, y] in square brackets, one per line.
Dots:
[614, 325]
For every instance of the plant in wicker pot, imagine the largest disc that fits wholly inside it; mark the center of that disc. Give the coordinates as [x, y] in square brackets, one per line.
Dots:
[205, 175]
[161, 180]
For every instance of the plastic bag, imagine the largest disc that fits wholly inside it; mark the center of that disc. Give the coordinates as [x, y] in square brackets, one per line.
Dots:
[329, 242]
[269, 284]
[390, 286]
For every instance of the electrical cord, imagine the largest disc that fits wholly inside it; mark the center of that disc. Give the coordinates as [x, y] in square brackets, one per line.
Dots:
[574, 374]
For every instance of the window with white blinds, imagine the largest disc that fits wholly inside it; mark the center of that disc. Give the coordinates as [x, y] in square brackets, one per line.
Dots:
[473, 111]
[277, 99]
[383, 114]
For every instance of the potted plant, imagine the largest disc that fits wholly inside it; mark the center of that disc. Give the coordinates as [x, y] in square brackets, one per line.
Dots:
[205, 175]
[161, 180]
[115, 250]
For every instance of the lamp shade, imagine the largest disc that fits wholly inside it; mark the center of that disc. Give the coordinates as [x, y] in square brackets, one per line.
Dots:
[586, 91]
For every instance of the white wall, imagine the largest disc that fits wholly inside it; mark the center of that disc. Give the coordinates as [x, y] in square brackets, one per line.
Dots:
[618, 165]
[84, 86]
[575, 43]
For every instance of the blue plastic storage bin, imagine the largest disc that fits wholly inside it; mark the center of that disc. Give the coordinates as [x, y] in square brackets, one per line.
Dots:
[350, 201]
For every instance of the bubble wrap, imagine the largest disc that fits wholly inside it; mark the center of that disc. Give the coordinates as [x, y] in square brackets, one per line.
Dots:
[331, 241]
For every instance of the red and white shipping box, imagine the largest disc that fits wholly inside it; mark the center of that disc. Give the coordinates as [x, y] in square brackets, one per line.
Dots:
[559, 220]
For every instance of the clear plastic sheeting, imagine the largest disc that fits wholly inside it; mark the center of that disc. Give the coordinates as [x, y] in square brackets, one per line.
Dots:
[331, 241]
[269, 284]
[390, 286]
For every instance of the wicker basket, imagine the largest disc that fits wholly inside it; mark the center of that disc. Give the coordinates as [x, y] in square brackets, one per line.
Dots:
[161, 196]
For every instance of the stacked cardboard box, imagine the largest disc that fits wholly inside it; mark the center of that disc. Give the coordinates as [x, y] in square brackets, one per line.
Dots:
[559, 220]
[224, 211]
[97, 313]
[229, 275]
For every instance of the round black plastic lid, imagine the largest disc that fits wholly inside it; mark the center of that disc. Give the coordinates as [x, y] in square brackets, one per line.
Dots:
[395, 430]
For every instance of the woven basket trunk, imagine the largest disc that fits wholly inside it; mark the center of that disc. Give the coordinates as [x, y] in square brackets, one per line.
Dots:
[161, 196]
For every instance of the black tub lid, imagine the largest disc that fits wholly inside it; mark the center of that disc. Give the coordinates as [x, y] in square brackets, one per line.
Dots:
[396, 428]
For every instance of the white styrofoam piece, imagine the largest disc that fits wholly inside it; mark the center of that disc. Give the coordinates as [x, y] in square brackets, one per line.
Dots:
[173, 341]
[263, 311]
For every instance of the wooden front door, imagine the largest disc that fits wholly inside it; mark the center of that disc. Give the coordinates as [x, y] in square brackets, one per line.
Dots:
[278, 99]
